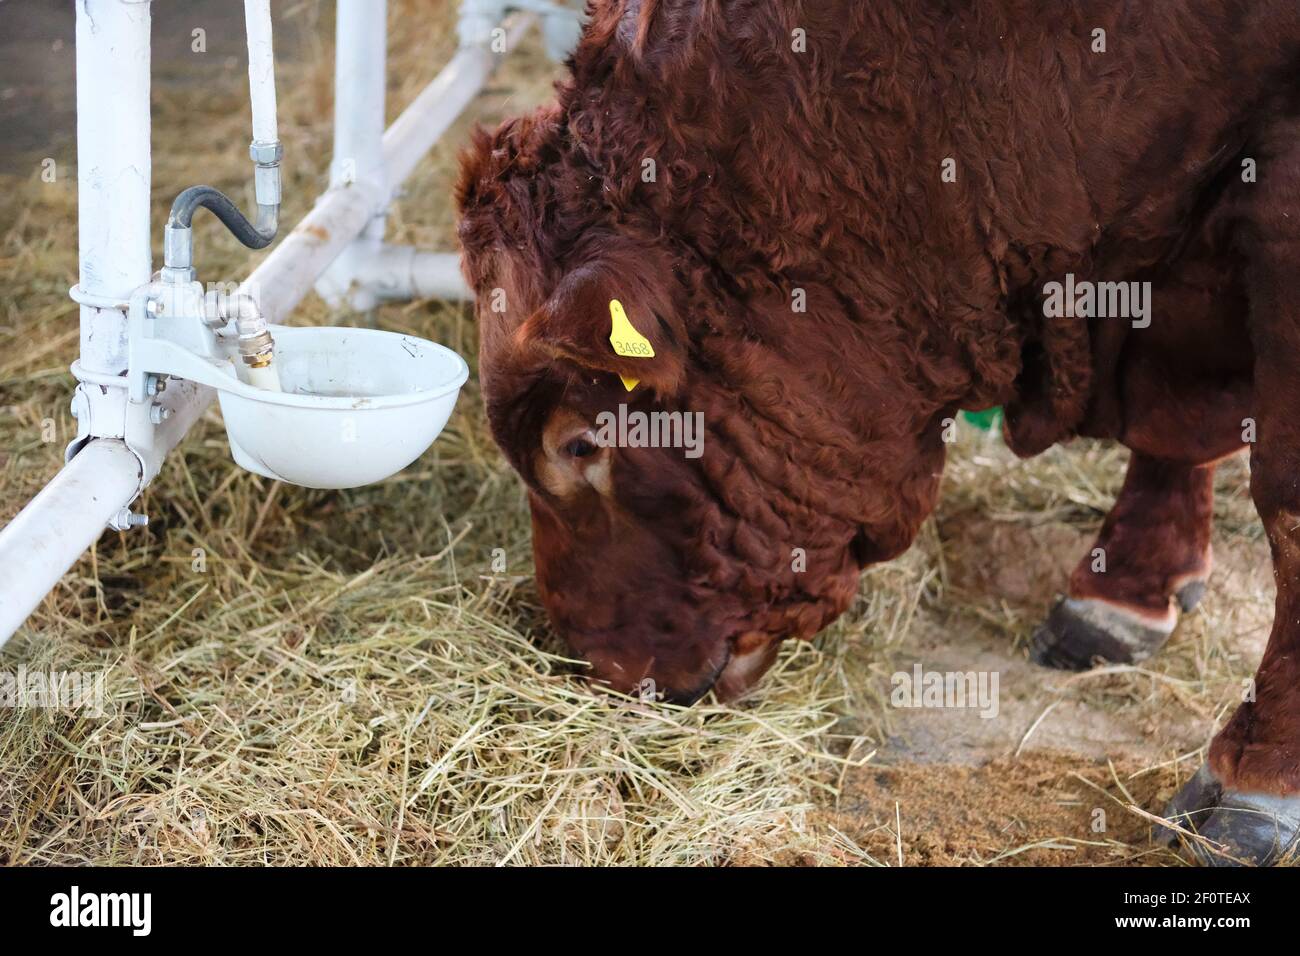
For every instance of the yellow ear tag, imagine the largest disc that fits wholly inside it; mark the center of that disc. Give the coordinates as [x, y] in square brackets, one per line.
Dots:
[627, 341]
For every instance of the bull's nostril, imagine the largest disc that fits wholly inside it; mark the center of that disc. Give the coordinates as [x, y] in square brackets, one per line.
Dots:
[687, 698]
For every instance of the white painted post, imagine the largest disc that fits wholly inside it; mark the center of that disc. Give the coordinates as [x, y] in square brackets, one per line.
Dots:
[360, 94]
[360, 88]
[113, 174]
[113, 181]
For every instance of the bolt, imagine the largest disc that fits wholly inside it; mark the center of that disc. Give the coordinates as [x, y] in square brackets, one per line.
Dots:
[158, 414]
[153, 385]
[126, 518]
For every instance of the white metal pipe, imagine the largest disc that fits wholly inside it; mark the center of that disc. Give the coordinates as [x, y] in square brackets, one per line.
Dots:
[360, 94]
[379, 271]
[60, 523]
[404, 272]
[261, 70]
[113, 173]
[430, 115]
[435, 275]
[360, 78]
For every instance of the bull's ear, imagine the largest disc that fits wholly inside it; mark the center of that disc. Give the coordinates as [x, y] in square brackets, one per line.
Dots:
[620, 322]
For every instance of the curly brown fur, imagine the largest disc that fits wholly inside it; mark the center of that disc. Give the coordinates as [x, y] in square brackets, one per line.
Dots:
[784, 176]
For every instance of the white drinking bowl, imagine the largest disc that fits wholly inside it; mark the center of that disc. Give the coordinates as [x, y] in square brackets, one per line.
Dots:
[356, 406]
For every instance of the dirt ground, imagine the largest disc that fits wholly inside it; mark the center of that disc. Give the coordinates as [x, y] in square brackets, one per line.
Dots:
[1026, 787]
[350, 682]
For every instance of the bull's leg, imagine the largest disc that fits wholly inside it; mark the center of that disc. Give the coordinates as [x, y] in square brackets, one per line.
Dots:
[1249, 800]
[1150, 561]
[1246, 800]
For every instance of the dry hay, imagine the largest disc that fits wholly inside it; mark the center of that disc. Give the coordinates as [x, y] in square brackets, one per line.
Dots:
[306, 677]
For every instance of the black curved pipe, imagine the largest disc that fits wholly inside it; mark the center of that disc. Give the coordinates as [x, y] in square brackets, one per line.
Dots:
[221, 206]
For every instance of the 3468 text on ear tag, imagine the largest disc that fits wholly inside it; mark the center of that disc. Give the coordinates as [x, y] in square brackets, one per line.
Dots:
[627, 341]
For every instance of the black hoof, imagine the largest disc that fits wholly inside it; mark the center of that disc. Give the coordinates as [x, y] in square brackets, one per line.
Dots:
[1191, 805]
[1232, 828]
[1079, 631]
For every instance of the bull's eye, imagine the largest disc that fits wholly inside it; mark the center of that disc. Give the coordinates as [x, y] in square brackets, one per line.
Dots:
[580, 448]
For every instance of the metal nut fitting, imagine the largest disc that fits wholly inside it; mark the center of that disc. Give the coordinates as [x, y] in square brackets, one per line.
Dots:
[178, 247]
[266, 154]
[257, 350]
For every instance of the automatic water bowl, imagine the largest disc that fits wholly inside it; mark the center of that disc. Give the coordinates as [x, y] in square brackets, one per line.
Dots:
[355, 406]
[329, 407]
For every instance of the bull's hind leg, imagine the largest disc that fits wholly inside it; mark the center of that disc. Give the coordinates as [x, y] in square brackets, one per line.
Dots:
[1150, 561]
[1248, 802]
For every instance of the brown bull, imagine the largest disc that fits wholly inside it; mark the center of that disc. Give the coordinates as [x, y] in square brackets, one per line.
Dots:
[829, 226]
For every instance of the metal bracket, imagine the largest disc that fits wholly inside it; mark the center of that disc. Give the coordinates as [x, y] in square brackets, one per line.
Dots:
[145, 405]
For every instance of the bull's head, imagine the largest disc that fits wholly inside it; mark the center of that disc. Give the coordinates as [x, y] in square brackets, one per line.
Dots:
[684, 566]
